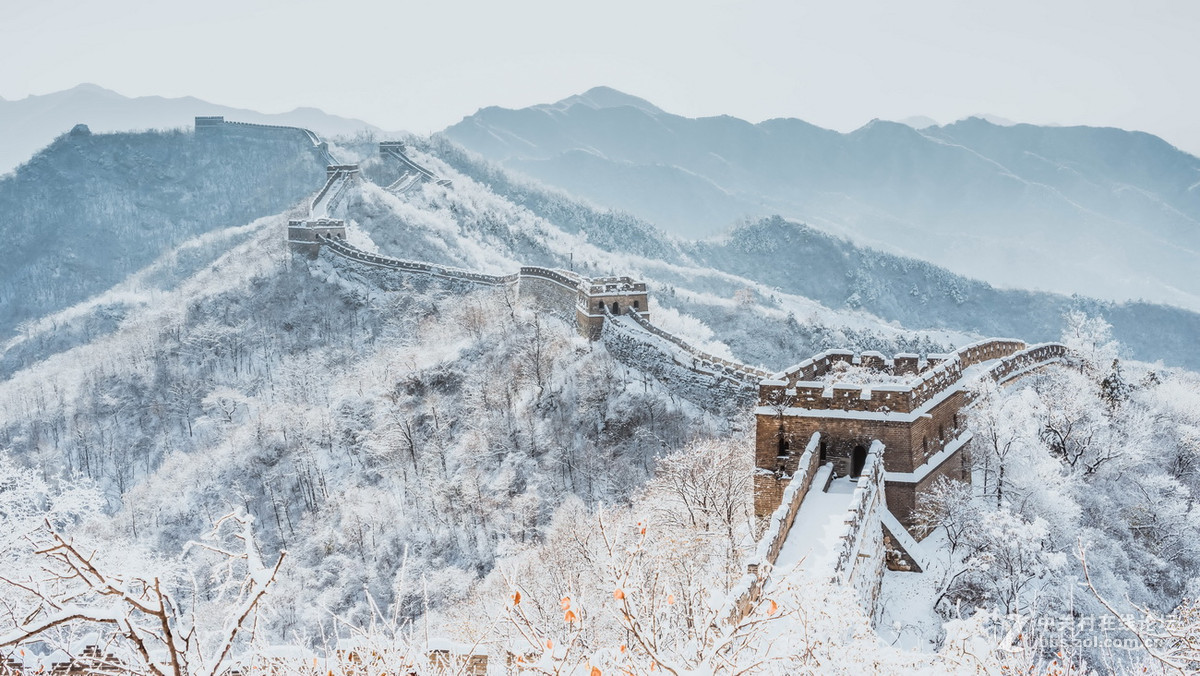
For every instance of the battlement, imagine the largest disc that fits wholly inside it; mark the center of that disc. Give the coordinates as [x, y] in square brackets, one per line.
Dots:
[913, 405]
[307, 235]
[388, 147]
[615, 296]
[876, 384]
[600, 285]
[819, 365]
[209, 121]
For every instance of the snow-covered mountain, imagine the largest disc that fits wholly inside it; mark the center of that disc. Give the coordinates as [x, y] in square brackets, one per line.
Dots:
[847, 277]
[1095, 211]
[423, 448]
[92, 208]
[227, 366]
[28, 124]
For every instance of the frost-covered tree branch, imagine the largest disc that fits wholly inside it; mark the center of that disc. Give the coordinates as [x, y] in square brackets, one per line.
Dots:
[78, 588]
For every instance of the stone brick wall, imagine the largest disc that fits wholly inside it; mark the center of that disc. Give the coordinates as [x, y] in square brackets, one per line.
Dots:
[305, 235]
[792, 492]
[904, 497]
[860, 558]
[549, 295]
[714, 392]
[915, 421]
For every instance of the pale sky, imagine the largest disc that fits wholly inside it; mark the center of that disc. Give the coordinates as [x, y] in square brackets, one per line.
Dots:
[424, 65]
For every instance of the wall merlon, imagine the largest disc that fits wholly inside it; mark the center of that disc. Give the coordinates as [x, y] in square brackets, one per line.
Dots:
[916, 420]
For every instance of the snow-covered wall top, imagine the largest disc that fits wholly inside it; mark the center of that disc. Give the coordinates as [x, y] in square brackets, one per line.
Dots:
[904, 383]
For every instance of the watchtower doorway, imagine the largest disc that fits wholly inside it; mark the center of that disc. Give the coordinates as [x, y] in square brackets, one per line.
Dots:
[857, 461]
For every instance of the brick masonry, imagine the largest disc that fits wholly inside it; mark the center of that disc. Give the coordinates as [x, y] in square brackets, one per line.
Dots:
[915, 419]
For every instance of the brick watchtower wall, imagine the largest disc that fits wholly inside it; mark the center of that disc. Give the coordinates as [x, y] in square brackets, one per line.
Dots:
[207, 124]
[617, 294]
[305, 235]
[386, 148]
[919, 420]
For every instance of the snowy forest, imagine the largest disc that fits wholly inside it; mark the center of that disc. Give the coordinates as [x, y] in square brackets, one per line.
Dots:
[219, 455]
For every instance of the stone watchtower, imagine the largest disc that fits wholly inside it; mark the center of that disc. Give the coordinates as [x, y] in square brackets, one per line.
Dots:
[913, 405]
[304, 235]
[206, 124]
[612, 295]
[386, 148]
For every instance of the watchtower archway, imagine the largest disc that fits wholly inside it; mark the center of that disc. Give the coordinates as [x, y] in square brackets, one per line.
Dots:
[858, 460]
[609, 295]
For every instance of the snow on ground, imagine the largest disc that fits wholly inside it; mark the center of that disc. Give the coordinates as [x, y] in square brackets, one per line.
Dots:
[820, 521]
[849, 374]
[907, 618]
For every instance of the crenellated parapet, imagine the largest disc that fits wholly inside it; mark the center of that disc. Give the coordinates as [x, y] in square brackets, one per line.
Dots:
[871, 382]
[612, 295]
[859, 559]
[216, 126]
[913, 405]
[307, 235]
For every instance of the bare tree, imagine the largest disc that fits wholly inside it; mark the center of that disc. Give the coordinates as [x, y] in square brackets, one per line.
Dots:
[159, 630]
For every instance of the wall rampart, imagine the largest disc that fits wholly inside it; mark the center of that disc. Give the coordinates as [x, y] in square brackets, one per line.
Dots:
[798, 386]
[747, 374]
[713, 391]
[860, 556]
[548, 290]
[749, 589]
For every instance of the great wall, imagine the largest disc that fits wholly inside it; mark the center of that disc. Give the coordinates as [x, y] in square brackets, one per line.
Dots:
[846, 445]
[885, 428]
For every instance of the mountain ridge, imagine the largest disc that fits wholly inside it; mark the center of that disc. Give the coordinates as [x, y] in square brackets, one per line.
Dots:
[34, 121]
[986, 201]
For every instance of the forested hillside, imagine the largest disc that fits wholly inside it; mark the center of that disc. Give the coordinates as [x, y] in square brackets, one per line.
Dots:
[787, 257]
[90, 209]
[417, 455]
[915, 293]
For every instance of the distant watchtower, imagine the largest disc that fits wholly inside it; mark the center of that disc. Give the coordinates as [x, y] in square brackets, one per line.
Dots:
[305, 235]
[616, 295]
[386, 148]
[206, 124]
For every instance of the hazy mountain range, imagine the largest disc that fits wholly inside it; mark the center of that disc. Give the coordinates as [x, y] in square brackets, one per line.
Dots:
[1100, 211]
[30, 123]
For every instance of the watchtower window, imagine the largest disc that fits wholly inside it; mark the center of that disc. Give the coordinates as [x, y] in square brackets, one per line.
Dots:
[600, 305]
[636, 305]
[785, 448]
[941, 433]
[616, 309]
[824, 452]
